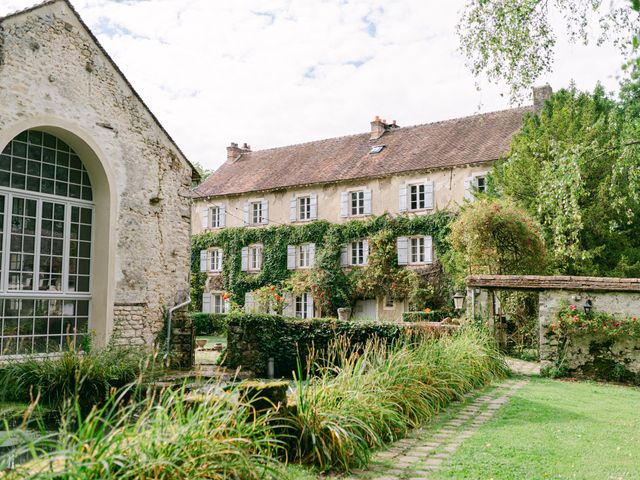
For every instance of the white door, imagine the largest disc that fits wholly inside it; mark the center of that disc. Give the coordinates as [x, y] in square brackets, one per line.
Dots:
[366, 310]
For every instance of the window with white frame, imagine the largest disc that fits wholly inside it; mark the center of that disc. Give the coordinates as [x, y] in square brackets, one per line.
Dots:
[215, 260]
[417, 250]
[46, 233]
[217, 303]
[481, 183]
[214, 213]
[304, 306]
[255, 212]
[357, 202]
[304, 208]
[304, 255]
[389, 302]
[417, 196]
[255, 257]
[358, 253]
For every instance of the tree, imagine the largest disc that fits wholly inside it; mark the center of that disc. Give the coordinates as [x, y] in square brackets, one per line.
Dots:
[576, 169]
[202, 171]
[496, 237]
[514, 40]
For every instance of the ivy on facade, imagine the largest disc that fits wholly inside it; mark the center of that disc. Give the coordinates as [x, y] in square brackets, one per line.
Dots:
[332, 286]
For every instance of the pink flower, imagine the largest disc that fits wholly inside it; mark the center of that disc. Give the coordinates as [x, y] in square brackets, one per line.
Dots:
[573, 308]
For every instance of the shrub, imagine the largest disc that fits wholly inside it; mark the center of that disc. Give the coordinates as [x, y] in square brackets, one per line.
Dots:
[209, 323]
[89, 376]
[430, 316]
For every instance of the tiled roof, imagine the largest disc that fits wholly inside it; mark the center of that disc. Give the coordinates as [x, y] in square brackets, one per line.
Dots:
[450, 143]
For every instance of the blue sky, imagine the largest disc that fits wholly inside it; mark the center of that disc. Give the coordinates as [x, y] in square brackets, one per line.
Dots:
[276, 72]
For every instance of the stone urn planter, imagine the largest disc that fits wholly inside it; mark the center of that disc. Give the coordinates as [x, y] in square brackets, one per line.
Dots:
[201, 342]
[344, 313]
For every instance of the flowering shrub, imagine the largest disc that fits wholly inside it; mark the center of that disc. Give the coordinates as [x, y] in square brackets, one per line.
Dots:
[571, 321]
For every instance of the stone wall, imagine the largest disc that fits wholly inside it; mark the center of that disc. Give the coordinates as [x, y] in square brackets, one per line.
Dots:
[591, 355]
[54, 75]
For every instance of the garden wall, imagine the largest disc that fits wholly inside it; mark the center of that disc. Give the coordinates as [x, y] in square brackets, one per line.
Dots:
[254, 338]
[591, 354]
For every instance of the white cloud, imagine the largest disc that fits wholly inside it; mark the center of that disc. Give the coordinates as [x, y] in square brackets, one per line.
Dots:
[275, 72]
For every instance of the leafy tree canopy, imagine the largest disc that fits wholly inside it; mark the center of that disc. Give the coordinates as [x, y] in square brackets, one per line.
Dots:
[514, 40]
[576, 169]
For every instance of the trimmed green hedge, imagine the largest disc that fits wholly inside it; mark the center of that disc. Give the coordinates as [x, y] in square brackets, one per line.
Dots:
[209, 323]
[432, 316]
[253, 338]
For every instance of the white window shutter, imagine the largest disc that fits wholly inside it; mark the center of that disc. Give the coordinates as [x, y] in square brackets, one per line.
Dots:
[403, 197]
[293, 209]
[402, 244]
[428, 249]
[204, 261]
[206, 302]
[265, 212]
[314, 206]
[246, 213]
[344, 255]
[310, 306]
[428, 194]
[289, 305]
[227, 306]
[205, 217]
[249, 305]
[220, 258]
[367, 202]
[245, 259]
[291, 257]
[365, 248]
[222, 216]
[312, 254]
[468, 189]
[344, 204]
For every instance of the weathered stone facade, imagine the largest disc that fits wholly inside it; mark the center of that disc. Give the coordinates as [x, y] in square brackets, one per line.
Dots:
[595, 356]
[55, 77]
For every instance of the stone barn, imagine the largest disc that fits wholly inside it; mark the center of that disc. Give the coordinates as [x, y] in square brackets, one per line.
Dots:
[94, 194]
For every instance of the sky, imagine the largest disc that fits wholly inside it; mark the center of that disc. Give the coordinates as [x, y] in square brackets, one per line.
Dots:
[277, 72]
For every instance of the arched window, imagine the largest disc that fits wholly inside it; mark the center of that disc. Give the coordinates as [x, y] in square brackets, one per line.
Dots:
[46, 228]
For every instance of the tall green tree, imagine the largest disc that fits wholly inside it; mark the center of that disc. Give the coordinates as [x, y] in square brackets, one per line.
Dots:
[575, 168]
[514, 40]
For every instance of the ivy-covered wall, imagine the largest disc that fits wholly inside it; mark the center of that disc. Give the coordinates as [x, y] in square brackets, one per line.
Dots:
[332, 284]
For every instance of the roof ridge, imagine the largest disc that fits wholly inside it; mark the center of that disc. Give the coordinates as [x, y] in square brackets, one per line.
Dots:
[28, 9]
[526, 107]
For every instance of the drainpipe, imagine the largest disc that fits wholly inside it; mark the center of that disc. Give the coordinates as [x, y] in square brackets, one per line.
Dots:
[170, 313]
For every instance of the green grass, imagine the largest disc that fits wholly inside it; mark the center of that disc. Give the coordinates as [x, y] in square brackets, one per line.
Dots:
[558, 430]
[210, 358]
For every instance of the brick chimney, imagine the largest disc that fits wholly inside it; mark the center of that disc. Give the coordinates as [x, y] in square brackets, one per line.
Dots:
[234, 151]
[540, 95]
[378, 127]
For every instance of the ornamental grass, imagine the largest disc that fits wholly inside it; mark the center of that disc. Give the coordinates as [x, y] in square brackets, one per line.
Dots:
[380, 392]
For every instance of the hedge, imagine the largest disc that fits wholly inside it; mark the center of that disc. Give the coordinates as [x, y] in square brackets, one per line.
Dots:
[432, 316]
[209, 323]
[253, 338]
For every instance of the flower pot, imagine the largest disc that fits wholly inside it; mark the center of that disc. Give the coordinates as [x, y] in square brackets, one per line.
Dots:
[344, 313]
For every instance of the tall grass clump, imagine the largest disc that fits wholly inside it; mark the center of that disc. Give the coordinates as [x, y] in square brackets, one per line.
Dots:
[87, 377]
[378, 393]
[166, 435]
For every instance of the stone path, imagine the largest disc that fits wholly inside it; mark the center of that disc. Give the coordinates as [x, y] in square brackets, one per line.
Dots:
[414, 459]
[522, 367]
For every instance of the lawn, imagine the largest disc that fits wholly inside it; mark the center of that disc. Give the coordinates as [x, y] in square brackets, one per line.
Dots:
[559, 430]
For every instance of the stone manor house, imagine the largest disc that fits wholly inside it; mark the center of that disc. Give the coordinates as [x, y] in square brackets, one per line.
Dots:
[95, 217]
[390, 169]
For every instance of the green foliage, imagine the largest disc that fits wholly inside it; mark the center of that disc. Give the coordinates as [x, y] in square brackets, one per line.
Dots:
[378, 394]
[513, 41]
[289, 340]
[570, 321]
[575, 169]
[89, 376]
[209, 323]
[494, 236]
[430, 316]
[331, 287]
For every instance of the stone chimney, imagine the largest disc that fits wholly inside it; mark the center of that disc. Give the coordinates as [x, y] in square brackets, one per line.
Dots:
[540, 95]
[378, 127]
[234, 151]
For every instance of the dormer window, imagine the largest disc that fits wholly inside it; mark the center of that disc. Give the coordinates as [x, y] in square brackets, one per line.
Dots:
[376, 149]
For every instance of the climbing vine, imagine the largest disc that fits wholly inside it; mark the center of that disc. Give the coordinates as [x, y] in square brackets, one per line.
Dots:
[332, 287]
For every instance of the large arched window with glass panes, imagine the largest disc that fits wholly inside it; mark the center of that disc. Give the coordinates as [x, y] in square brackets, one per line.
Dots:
[46, 225]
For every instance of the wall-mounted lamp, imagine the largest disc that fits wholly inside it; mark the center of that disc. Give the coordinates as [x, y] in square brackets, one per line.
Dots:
[458, 300]
[588, 305]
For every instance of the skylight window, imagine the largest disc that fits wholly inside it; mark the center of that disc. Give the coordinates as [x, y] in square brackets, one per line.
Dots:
[376, 149]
